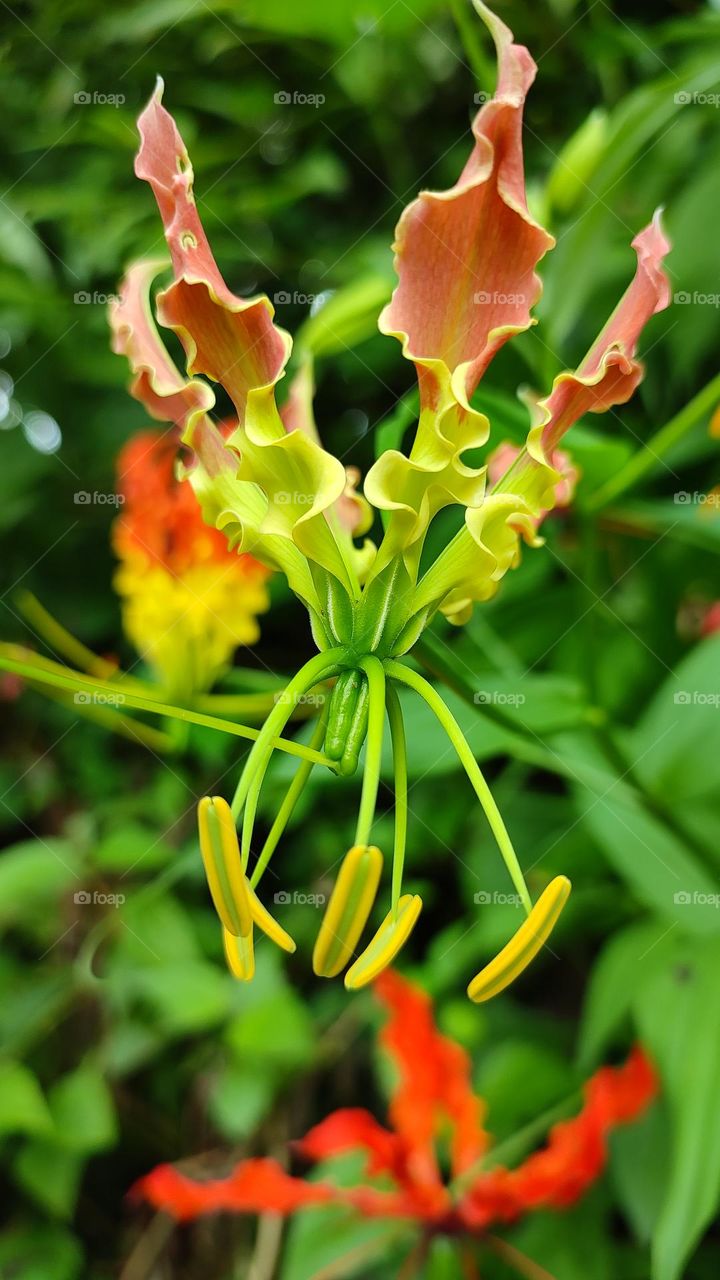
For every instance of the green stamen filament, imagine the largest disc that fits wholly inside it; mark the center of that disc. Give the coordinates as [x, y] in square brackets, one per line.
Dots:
[397, 734]
[404, 675]
[292, 796]
[321, 667]
[375, 673]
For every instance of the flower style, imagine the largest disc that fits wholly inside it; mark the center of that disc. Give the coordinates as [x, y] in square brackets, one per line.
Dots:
[466, 262]
[403, 1179]
[188, 601]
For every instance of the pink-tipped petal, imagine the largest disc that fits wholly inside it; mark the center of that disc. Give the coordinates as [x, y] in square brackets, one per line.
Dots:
[609, 373]
[230, 339]
[157, 383]
[466, 257]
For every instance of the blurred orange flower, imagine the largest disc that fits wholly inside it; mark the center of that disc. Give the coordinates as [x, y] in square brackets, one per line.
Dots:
[432, 1096]
[188, 600]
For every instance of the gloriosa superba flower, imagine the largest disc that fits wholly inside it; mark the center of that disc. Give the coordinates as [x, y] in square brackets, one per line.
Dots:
[466, 263]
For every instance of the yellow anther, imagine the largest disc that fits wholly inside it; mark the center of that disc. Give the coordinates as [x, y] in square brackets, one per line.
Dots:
[390, 937]
[347, 911]
[268, 924]
[240, 955]
[524, 945]
[220, 851]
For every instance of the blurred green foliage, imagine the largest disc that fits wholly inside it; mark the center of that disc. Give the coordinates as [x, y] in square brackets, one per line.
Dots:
[124, 1042]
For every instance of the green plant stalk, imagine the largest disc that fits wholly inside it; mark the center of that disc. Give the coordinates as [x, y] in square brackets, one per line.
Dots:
[482, 69]
[57, 637]
[320, 667]
[522, 743]
[652, 452]
[287, 807]
[81, 683]
[399, 750]
[404, 675]
[517, 1145]
[114, 722]
[375, 673]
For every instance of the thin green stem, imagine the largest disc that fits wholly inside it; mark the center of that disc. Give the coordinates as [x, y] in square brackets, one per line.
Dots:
[397, 734]
[375, 673]
[653, 451]
[60, 639]
[287, 807]
[321, 667]
[468, 30]
[404, 675]
[78, 683]
[517, 1145]
[524, 1266]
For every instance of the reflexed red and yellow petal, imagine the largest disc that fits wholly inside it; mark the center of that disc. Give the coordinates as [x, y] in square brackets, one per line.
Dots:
[434, 1075]
[466, 260]
[157, 383]
[352, 1129]
[609, 373]
[466, 257]
[230, 339]
[575, 1153]
[254, 1186]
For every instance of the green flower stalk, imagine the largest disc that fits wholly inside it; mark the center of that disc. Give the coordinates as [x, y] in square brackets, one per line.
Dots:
[466, 263]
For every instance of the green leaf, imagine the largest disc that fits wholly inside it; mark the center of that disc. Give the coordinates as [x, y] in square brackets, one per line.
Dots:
[51, 1175]
[23, 1108]
[678, 1011]
[677, 742]
[187, 997]
[640, 1160]
[83, 1111]
[621, 965]
[239, 1099]
[34, 874]
[48, 1254]
[655, 864]
[278, 1032]
[131, 848]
